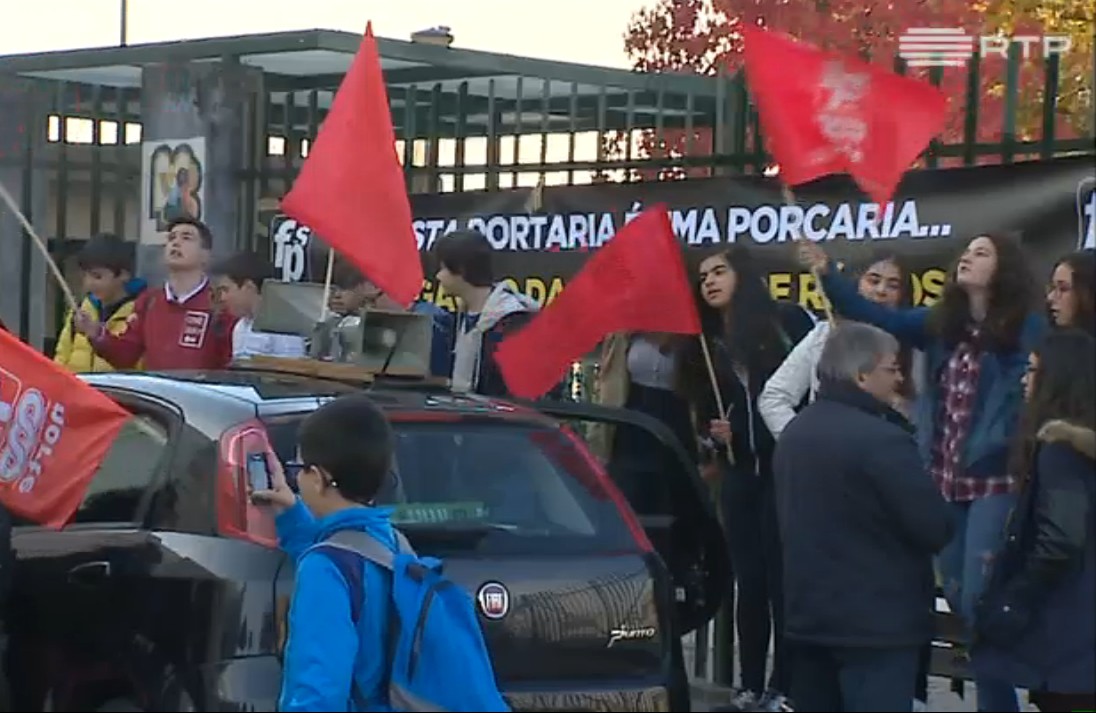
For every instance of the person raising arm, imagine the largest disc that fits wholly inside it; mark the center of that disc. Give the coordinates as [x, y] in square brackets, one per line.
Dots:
[178, 326]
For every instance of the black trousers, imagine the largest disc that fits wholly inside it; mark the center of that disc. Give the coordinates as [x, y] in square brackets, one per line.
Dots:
[639, 460]
[753, 538]
[851, 680]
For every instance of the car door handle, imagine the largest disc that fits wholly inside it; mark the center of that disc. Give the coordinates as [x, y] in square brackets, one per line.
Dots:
[89, 573]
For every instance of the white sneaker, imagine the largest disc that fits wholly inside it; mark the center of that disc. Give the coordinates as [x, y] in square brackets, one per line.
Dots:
[919, 705]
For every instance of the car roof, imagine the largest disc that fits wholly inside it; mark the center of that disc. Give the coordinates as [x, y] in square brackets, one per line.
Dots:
[257, 391]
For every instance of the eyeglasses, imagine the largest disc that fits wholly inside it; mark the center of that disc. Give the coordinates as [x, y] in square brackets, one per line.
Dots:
[292, 470]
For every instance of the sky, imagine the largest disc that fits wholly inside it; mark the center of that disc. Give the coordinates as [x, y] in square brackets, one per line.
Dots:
[585, 31]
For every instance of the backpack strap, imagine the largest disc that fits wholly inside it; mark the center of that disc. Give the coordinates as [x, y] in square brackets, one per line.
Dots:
[348, 549]
[369, 547]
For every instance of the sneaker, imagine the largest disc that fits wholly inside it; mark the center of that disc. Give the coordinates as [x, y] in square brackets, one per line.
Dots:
[743, 700]
[919, 705]
[774, 701]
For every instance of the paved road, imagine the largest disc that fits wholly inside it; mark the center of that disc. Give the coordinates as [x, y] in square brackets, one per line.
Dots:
[940, 698]
[707, 696]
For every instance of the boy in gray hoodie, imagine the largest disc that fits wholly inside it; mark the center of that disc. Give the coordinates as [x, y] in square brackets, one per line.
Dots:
[491, 310]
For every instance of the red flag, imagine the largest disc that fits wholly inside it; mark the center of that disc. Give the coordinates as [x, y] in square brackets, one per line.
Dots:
[351, 189]
[636, 283]
[54, 432]
[823, 113]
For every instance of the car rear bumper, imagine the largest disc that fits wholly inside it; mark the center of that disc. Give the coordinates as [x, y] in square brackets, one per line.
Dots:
[594, 698]
[254, 683]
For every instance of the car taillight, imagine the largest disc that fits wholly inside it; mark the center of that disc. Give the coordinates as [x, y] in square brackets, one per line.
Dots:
[596, 473]
[237, 516]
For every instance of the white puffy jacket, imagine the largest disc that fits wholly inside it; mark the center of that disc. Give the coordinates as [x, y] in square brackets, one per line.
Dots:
[798, 376]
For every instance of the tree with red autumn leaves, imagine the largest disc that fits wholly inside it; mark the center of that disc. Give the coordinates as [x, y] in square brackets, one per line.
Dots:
[703, 37]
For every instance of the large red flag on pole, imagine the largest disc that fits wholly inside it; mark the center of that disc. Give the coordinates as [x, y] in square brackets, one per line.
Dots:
[635, 283]
[351, 188]
[55, 431]
[824, 113]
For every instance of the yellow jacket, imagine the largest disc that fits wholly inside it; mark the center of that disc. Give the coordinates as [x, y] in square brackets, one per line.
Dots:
[74, 350]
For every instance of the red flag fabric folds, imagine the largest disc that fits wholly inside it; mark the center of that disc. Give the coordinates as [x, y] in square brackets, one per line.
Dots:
[823, 113]
[351, 188]
[55, 431]
[635, 283]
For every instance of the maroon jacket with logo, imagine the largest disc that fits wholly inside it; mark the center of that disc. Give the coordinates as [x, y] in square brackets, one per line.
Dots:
[171, 335]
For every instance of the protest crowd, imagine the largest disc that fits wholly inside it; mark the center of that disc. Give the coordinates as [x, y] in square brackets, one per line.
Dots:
[860, 459]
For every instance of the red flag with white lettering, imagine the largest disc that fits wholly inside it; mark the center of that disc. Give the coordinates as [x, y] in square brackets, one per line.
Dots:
[55, 431]
[824, 113]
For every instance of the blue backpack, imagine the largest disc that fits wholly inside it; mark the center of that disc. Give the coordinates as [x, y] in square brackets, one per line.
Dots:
[437, 654]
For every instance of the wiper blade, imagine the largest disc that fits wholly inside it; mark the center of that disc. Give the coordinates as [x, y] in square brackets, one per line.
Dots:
[458, 526]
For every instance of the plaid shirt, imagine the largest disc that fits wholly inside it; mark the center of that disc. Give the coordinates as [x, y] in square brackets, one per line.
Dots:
[958, 386]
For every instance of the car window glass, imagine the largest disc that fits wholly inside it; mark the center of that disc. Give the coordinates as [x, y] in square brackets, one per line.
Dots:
[503, 472]
[114, 494]
[493, 486]
[642, 474]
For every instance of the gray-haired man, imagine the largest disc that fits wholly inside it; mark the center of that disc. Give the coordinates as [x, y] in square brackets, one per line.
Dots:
[860, 521]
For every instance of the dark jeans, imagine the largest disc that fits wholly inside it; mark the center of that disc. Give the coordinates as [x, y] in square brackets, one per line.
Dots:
[749, 514]
[850, 680]
[980, 525]
[924, 664]
[661, 404]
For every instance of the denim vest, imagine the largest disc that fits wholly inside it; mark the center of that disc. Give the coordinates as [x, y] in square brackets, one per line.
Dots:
[998, 400]
[999, 394]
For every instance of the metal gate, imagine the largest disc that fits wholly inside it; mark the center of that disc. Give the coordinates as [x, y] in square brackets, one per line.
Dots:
[459, 128]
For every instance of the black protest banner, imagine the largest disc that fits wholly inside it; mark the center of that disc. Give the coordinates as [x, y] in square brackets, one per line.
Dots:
[1049, 205]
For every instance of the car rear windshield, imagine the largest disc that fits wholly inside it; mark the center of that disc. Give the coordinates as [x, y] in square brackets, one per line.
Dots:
[491, 486]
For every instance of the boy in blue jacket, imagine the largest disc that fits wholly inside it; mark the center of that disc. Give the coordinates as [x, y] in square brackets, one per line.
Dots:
[334, 660]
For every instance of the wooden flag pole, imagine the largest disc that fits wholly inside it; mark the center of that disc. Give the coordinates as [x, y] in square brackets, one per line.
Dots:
[56, 271]
[327, 283]
[789, 199]
[711, 374]
[715, 386]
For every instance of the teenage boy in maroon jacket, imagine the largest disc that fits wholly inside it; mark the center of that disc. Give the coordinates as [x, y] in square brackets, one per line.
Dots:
[175, 327]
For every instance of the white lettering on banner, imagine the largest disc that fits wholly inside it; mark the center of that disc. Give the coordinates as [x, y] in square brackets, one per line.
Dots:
[291, 241]
[695, 226]
[30, 428]
[767, 224]
[1086, 213]
[521, 233]
[634, 212]
[428, 231]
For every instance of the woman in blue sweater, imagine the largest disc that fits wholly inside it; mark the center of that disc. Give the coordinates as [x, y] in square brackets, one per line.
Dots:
[976, 339]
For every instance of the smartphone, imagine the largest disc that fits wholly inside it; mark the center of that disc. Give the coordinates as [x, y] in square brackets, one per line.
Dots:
[258, 472]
